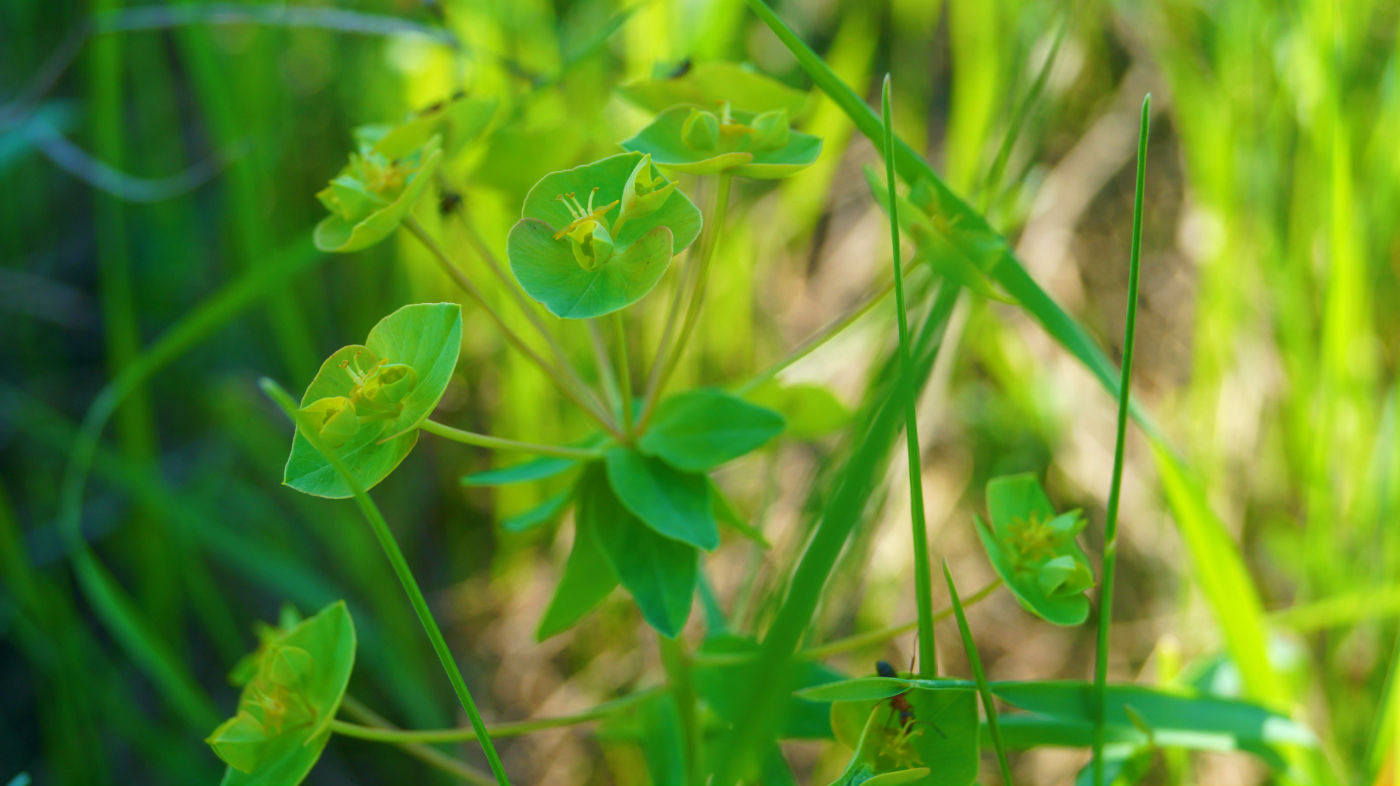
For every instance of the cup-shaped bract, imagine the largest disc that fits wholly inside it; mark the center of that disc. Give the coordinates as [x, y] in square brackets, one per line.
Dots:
[707, 84]
[562, 259]
[415, 349]
[1034, 550]
[371, 196]
[286, 707]
[333, 418]
[740, 149]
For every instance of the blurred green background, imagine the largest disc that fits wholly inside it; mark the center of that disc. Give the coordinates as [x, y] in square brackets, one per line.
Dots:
[165, 161]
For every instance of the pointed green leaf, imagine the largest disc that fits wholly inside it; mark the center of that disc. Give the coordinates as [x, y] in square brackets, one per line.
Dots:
[426, 337]
[284, 712]
[540, 514]
[535, 469]
[700, 429]
[674, 504]
[664, 141]
[659, 572]
[859, 689]
[587, 578]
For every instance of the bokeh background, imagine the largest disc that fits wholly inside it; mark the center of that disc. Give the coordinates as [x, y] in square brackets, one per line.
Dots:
[166, 161]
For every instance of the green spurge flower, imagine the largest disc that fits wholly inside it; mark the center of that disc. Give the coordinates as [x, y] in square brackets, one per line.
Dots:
[694, 140]
[1034, 551]
[597, 238]
[373, 193]
[367, 402]
[292, 690]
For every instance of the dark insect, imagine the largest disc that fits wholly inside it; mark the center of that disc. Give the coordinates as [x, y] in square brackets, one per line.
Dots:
[450, 201]
[900, 703]
[681, 69]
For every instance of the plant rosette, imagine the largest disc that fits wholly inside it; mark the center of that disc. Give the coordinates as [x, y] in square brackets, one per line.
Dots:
[1034, 550]
[595, 239]
[372, 194]
[367, 402]
[293, 689]
[700, 142]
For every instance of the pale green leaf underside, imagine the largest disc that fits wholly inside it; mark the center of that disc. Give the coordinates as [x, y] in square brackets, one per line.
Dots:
[426, 336]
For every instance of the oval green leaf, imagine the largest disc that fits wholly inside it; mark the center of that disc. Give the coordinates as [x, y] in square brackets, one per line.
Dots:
[306, 668]
[674, 504]
[700, 429]
[659, 572]
[548, 272]
[426, 337]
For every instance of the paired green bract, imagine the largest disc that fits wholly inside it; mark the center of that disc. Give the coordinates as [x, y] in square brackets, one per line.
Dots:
[699, 142]
[418, 345]
[595, 239]
[1034, 551]
[372, 195]
[298, 678]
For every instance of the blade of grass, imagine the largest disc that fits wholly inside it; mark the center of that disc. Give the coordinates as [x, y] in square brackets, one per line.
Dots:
[1110, 537]
[843, 511]
[1218, 566]
[405, 574]
[923, 582]
[975, 661]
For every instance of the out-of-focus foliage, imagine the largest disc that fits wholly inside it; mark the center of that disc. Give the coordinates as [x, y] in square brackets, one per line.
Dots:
[167, 162]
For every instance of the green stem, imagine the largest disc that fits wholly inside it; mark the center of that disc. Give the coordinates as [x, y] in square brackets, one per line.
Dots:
[496, 443]
[682, 682]
[923, 582]
[1110, 536]
[605, 369]
[451, 268]
[816, 340]
[975, 660]
[624, 375]
[697, 298]
[425, 753]
[404, 573]
[379, 733]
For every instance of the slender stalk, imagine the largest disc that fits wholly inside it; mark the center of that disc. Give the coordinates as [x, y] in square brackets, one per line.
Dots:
[697, 297]
[1110, 535]
[425, 753]
[496, 443]
[380, 733]
[923, 582]
[471, 289]
[605, 369]
[405, 575]
[682, 682]
[975, 661]
[624, 375]
[816, 340]
[531, 313]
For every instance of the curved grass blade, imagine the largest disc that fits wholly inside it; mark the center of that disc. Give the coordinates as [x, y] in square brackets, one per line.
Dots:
[975, 661]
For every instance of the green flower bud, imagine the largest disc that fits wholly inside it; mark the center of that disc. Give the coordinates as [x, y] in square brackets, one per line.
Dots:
[642, 194]
[700, 130]
[239, 741]
[1064, 575]
[390, 383]
[592, 244]
[333, 419]
[288, 666]
[771, 130]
